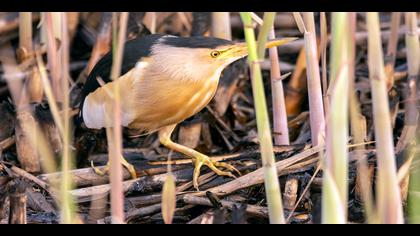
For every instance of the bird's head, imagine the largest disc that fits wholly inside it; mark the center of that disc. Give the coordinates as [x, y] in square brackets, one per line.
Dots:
[194, 56]
[227, 53]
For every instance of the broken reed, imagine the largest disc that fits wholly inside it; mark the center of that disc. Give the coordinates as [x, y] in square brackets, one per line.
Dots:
[280, 122]
[280, 128]
[280, 125]
[389, 204]
[316, 106]
[26, 121]
[334, 201]
[271, 182]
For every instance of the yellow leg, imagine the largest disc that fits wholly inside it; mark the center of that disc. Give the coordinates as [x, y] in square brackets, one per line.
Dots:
[198, 158]
[124, 162]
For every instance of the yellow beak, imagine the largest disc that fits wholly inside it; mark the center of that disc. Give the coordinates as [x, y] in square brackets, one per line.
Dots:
[278, 42]
[241, 49]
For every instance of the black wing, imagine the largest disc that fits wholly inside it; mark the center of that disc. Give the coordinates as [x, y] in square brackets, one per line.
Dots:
[134, 50]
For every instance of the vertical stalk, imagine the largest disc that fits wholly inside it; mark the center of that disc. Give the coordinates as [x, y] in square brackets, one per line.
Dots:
[150, 21]
[115, 136]
[413, 62]
[323, 49]
[25, 33]
[388, 192]
[316, 106]
[413, 207]
[67, 210]
[280, 128]
[392, 49]
[271, 181]
[27, 155]
[220, 26]
[33, 82]
[53, 59]
[411, 117]
[268, 22]
[336, 161]
[308, 19]
[38, 139]
[407, 141]
[18, 199]
[357, 123]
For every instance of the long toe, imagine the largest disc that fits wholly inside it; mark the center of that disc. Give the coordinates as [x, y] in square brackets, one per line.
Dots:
[197, 167]
[223, 173]
[227, 166]
[213, 167]
[98, 171]
[132, 171]
[129, 167]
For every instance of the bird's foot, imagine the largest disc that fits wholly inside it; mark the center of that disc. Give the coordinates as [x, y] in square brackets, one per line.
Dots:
[201, 159]
[106, 169]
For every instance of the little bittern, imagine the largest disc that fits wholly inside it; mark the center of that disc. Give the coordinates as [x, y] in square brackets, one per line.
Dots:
[165, 79]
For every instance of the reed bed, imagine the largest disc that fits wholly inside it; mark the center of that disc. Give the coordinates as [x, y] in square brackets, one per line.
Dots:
[323, 129]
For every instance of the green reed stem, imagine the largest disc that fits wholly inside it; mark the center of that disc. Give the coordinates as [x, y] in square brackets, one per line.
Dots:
[272, 187]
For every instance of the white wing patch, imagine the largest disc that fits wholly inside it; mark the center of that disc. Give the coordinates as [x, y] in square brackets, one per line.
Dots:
[98, 106]
[93, 114]
[99, 114]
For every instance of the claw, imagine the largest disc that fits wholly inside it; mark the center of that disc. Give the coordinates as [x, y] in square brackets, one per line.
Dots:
[124, 162]
[129, 167]
[205, 160]
[197, 168]
[227, 166]
[99, 171]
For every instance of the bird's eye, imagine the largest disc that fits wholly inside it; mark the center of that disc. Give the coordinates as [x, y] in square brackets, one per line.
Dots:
[215, 54]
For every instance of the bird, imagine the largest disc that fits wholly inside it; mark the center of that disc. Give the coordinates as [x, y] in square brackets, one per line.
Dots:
[164, 80]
